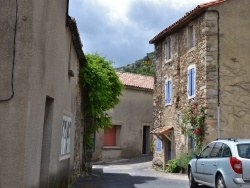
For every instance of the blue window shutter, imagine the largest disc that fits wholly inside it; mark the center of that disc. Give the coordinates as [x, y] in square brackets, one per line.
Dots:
[193, 82]
[158, 148]
[170, 91]
[166, 92]
[189, 82]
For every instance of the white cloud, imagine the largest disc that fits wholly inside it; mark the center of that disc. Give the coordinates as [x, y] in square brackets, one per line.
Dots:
[120, 29]
[117, 10]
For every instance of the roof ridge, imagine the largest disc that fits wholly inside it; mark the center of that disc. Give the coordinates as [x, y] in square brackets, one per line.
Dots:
[133, 73]
[197, 10]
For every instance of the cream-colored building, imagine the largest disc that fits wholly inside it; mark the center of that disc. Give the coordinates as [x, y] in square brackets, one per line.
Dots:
[131, 121]
[39, 94]
[203, 58]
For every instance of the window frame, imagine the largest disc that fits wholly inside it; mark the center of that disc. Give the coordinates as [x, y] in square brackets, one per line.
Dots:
[168, 91]
[191, 36]
[168, 49]
[65, 137]
[117, 137]
[191, 84]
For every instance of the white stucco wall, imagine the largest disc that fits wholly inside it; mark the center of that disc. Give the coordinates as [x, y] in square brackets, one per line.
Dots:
[41, 69]
[134, 110]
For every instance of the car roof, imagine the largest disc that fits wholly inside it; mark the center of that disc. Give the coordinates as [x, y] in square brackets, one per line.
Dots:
[233, 140]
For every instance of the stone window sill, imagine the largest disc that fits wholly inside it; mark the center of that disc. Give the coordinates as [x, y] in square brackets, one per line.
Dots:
[111, 148]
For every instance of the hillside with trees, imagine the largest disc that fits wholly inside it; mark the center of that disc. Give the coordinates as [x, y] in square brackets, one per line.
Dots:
[139, 67]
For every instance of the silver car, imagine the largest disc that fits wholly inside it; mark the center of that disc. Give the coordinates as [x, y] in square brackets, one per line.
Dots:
[224, 163]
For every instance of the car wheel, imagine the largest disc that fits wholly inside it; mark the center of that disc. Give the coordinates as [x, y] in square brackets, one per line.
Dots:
[192, 182]
[220, 183]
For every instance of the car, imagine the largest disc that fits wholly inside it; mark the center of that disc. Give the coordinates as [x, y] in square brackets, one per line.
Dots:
[223, 163]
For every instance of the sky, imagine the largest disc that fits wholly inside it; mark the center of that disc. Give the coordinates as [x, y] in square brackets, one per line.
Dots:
[120, 30]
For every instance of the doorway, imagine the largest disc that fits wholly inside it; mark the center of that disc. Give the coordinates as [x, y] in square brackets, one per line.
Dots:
[46, 142]
[146, 140]
[169, 152]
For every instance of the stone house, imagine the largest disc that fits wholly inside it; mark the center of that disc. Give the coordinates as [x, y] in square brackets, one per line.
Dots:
[40, 102]
[203, 58]
[132, 119]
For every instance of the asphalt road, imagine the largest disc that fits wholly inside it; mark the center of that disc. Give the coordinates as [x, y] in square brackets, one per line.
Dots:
[131, 173]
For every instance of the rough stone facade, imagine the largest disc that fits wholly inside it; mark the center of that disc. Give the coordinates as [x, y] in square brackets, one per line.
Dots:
[219, 57]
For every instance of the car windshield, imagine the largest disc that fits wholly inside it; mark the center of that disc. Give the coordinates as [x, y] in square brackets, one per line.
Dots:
[244, 150]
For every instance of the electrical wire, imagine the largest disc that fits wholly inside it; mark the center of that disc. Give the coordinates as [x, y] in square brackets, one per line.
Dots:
[14, 56]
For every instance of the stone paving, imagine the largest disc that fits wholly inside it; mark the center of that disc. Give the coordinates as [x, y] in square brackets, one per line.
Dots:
[132, 172]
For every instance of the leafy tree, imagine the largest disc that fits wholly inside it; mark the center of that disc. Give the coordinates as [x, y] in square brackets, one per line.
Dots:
[102, 88]
[139, 67]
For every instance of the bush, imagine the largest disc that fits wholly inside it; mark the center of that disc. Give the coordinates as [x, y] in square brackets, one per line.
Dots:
[173, 166]
[183, 160]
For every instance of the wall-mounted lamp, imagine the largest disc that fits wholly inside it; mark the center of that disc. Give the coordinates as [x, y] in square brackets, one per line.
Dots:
[147, 60]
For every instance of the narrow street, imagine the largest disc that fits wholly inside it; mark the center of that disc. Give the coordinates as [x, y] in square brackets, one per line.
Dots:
[131, 173]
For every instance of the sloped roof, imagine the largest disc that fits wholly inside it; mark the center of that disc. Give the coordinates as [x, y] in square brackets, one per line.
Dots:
[185, 19]
[76, 39]
[162, 130]
[136, 80]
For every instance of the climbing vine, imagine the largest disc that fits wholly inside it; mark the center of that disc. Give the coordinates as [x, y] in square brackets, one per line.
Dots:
[193, 124]
[102, 89]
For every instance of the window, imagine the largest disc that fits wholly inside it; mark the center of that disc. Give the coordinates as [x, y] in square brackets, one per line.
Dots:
[112, 136]
[244, 150]
[168, 92]
[206, 152]
[158, 145]
[227, 151]
[191, 143]
[65, 141]
[191, 81]
[217, 150]
[168, 49]
[191, 36]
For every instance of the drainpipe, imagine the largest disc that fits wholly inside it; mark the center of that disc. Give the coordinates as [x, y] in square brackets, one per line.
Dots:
[218, 70]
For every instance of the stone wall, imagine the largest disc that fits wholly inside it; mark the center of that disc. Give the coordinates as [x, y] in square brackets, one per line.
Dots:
[203, 56]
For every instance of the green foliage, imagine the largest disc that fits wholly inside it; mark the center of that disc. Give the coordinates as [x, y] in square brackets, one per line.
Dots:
[139, 67]
[103, 88]
[183, 160]
[152, 146]
[193, 124]
[173, 166]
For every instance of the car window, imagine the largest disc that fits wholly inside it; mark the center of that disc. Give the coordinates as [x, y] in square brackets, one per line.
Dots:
[206, 152]
[244, 150]
[217, 150]
[226, 151]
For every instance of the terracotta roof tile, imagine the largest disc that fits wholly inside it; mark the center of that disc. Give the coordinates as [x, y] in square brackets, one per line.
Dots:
[185, 19]
[136, 80]
[162, 130]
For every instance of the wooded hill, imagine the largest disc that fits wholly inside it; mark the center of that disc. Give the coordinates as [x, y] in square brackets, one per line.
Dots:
[139, 67]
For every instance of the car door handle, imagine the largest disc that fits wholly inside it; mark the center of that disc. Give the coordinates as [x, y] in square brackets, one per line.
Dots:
[202, 163]
[214, 164]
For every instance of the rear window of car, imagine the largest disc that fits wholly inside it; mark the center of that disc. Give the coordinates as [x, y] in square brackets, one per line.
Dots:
[244, 150]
